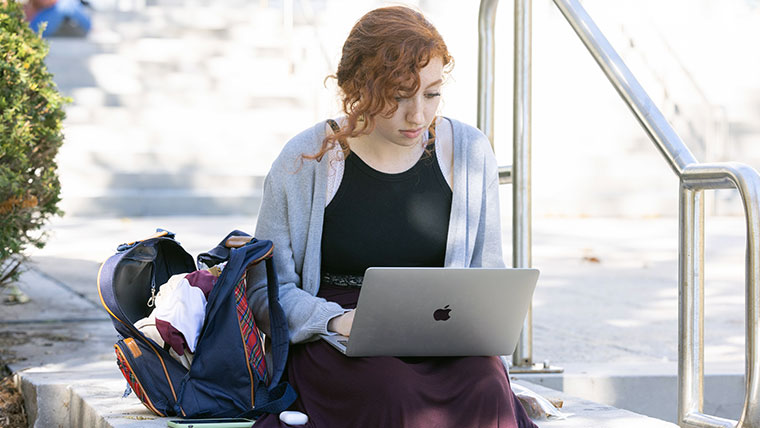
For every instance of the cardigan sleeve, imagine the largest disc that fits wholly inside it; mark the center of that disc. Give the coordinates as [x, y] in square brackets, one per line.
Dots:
[282, 218]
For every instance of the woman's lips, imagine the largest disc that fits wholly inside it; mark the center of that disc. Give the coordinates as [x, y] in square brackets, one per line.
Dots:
[413, 133]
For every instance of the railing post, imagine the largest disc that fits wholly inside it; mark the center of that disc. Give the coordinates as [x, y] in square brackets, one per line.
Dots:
[690, 301]
[520, 173]
[521, 163]
[486, 66]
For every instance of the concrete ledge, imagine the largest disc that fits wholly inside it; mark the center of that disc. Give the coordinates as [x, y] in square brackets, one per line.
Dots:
[69, 399]
[72, 399]
[650, 389]
[585, 413]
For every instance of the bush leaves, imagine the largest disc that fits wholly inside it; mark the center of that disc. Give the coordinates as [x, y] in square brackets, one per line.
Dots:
[31, 116]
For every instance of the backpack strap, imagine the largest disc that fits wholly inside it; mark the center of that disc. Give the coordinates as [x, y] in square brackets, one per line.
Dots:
[221, 252]
[277, 396]
[278, 325]
[334, 125]
[277, 400]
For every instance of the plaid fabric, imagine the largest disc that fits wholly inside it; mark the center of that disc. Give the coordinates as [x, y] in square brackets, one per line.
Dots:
[251, 334]
[132, 380]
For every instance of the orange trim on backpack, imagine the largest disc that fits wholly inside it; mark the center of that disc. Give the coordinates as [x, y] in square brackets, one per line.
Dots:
[163, 365]
[100, 294]
[237, 241]
[149, 403]
[155, 235]
[133, 348]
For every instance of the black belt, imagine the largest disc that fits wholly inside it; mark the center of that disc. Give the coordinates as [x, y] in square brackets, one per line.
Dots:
[342, 280]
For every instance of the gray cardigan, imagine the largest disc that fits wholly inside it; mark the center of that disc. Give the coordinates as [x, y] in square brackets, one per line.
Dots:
[291, 215]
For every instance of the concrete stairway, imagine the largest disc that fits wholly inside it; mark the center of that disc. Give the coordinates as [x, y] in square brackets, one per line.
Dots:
[180, 108]
[181, 105]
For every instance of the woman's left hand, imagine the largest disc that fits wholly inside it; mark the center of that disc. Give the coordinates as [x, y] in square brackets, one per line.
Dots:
[342, 323]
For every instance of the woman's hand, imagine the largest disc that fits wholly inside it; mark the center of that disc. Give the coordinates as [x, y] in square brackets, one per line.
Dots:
[342, 323]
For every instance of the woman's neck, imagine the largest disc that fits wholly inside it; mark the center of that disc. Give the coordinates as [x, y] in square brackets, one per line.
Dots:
[384, 155]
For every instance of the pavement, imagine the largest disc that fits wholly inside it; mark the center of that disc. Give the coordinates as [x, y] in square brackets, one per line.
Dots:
[605, 310]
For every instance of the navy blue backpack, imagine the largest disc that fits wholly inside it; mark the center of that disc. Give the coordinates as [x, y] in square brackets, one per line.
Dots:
[228, 376]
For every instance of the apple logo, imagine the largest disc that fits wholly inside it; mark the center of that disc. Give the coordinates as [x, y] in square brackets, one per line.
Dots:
[442, 314]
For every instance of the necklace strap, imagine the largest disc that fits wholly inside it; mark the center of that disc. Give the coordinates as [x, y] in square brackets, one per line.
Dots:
[342, 280]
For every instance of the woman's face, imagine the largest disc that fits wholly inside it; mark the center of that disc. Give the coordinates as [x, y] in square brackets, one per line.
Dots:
[409, 123]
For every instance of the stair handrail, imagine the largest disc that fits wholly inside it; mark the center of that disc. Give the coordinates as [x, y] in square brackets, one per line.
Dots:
[694, 178]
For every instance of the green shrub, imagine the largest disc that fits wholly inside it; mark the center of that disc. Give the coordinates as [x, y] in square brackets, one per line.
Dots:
[31, 112]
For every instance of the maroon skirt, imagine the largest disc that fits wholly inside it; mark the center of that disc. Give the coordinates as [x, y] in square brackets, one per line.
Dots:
[337, 391]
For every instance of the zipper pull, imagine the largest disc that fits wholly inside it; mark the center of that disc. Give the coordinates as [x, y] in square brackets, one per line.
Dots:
[127, 391]
[152, 300]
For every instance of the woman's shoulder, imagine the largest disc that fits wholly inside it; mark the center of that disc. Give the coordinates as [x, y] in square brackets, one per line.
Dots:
[306, 142]
[469, 139]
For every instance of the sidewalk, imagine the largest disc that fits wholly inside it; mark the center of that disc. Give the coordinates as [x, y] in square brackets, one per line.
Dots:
[605, 310]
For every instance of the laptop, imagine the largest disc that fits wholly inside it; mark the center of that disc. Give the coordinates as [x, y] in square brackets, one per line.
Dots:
[414, 312]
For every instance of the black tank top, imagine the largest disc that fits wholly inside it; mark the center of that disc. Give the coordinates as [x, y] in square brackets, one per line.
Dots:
[380, 219]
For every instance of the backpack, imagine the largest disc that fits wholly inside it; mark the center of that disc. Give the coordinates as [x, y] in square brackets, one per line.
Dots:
[229, 375]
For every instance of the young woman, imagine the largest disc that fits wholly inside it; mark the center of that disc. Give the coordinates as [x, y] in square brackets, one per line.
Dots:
[388, 184]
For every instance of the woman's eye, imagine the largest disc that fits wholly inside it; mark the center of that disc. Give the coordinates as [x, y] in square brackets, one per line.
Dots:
[429, 95]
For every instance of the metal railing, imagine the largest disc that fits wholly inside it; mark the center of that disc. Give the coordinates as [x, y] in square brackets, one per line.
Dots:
[486, 77]
[519, 172]
[694, 178]
[486, 66]
[522, 228]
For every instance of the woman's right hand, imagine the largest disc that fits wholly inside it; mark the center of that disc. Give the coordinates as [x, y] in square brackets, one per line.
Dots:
[342, 323]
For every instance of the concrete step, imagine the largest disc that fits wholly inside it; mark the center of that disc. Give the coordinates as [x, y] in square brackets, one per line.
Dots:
[269, 118]
[584, 413]
[90, 404]
[160, 193]
[125, 194]
[212, 17]
[148, 181]
[118, 139]
[650, 389]
[211, 156]
[105, 78]
[131, 202]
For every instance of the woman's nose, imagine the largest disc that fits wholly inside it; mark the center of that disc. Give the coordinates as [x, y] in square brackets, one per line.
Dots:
[416, 113]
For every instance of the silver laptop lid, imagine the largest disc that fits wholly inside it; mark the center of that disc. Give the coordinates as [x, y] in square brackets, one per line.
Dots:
[441, 311]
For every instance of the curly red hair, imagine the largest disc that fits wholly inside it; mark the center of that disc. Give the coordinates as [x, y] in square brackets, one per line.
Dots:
[382, 57]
